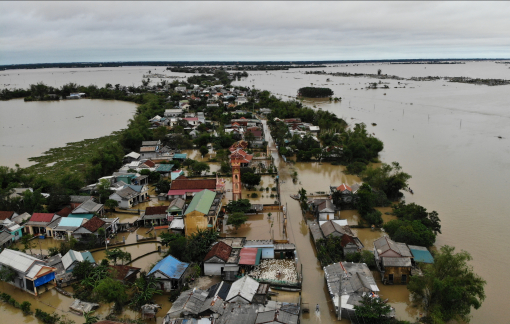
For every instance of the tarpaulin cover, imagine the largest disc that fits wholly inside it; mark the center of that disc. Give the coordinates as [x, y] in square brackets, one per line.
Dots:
[44, 279]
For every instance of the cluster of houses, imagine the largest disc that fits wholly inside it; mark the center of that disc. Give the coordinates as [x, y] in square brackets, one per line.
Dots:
[82, 218]
[396, 262]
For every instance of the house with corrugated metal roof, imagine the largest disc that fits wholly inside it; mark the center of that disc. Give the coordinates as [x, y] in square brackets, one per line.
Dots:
[170, 273]
[38, 222]
[12, 228]
[246, 291]
[89, 207]
[202, 212]
[347, 282]
[29, 273]
[350, 243]
[125, 197]
[393, 260]
[156, 215]
[71, 259]
[66, 226]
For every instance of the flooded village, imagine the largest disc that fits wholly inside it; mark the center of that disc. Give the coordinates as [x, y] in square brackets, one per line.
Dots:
[219, 204]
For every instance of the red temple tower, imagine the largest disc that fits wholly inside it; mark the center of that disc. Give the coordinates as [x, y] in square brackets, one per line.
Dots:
[235, 161]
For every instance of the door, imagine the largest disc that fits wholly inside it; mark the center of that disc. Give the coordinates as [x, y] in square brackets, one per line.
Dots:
[390, 278]
[404, 279]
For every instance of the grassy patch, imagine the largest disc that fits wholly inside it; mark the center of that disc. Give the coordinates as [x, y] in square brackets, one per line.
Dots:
[73, 157]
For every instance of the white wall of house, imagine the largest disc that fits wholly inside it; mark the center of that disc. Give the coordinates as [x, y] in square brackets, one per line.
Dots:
[213, 269]
[123, 203]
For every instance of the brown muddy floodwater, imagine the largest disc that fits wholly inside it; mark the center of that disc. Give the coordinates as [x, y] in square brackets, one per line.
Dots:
[453, 139]
[27, 129]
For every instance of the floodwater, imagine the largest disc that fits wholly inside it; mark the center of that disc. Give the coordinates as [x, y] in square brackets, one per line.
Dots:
[446, 135]
[27, 129]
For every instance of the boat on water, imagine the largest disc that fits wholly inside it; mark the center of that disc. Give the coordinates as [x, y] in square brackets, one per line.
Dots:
[294, 197]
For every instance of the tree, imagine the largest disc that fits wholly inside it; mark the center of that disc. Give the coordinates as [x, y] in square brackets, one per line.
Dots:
[27, 242]
[249, 137]
[111, 204]
[448, 288]
[199, 167]
[110, 290]
[372, 309]
[82, 269]
[103, 189]
[313, 92]
[144, 288]
[162, 185]
[379, 72]
[117, 253]
[237, 219]
[413, 212]
[250, 179]
[7, 274]
[203, 150]
[388, 178]
[238, 206]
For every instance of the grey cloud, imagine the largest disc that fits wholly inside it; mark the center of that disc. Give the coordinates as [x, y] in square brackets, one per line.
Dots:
[87, 31]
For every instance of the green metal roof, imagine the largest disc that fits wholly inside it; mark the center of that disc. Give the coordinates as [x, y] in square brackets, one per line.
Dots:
[164, 168]
[202, 202]
[87, 216]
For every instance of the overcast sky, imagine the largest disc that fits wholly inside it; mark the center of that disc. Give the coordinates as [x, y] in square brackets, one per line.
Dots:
[37, 32]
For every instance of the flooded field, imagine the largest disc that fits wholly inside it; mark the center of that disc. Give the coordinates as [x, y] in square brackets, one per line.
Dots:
[37, 126]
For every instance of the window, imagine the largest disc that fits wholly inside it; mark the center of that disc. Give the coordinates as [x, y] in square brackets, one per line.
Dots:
[404, 279]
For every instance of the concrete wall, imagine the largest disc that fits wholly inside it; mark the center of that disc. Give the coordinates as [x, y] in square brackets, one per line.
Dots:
[213, 269]
[397, 273]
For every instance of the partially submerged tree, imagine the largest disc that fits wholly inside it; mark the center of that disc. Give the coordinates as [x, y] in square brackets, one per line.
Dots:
[448, 288]
[372, 309]
[236, 220]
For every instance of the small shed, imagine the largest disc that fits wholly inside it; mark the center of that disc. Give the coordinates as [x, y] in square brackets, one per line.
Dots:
[421, 254]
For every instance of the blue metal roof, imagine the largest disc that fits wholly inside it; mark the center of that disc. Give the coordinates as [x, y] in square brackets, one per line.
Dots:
[171, 267]
[421, 254]
[71, 222]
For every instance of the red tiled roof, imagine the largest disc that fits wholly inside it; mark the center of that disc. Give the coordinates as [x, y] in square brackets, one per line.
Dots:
[181, 192]
[185, 184]
[343, 187]
[181, 177]
[191, 118]
[64, 212]
[346, 239]
[6, 214]
[158, 210]
[41, 217]
[256, 133]
[94, 224]
[220, 250]
[149, 163]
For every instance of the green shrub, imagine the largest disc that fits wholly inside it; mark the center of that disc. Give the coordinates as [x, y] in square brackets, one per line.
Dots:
[25, 308]
[254, 195]
[46, 318]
